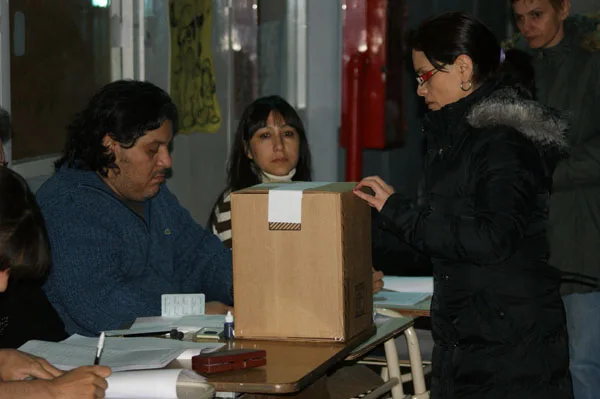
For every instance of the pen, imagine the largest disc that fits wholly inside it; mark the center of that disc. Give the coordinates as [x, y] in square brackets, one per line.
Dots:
[99, 350]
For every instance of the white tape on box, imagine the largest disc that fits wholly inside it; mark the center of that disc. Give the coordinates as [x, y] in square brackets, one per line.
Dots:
[285, 205]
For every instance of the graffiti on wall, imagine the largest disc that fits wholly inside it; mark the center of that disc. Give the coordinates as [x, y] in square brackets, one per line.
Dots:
[193, 86]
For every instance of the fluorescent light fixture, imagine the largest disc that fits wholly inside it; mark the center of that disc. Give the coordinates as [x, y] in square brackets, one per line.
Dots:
[101, 3]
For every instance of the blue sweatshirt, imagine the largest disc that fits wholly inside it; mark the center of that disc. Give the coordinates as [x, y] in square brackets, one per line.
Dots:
[111, 266]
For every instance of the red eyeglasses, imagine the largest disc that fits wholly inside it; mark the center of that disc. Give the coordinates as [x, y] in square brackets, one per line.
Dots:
[426, 76]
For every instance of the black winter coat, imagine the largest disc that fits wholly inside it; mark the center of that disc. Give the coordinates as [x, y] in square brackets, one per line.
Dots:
[497, 317]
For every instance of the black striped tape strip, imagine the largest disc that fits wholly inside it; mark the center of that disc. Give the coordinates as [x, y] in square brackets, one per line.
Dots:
[285, 226]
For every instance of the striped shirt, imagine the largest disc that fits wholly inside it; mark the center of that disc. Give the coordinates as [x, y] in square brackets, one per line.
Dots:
[220, 220]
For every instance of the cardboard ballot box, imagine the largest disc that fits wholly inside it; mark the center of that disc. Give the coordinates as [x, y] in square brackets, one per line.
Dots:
[301, 262]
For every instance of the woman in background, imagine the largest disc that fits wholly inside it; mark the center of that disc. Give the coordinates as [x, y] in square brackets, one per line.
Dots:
[270, 145]
[497, 317]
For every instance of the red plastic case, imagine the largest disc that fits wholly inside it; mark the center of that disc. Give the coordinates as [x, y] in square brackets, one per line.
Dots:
[235, 359]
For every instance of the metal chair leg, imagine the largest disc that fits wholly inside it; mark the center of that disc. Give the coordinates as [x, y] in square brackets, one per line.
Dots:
[416, 364]
[391, 357]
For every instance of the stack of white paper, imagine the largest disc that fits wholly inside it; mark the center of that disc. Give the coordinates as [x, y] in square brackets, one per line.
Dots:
[158, 384]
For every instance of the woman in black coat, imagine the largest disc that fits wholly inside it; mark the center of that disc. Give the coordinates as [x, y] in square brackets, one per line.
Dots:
[497, 317]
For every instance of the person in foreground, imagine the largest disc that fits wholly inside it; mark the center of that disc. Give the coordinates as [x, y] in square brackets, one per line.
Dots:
[497, 317]
[25, 312]
[24, 252]
[119, 238]
[566, 57]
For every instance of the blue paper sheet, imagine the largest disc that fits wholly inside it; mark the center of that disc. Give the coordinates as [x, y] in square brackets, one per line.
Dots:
[393, 298]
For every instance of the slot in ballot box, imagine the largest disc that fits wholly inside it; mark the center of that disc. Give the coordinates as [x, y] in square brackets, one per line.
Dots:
[301, 262]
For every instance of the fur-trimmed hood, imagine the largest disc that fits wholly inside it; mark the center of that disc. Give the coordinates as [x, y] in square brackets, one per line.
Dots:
[540, 124]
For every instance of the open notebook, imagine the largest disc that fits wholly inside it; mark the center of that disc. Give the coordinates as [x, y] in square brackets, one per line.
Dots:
[148, 325]
[120, 354]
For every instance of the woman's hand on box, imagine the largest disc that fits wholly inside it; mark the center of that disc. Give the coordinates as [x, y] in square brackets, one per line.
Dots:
[377, 281]
[381, 189]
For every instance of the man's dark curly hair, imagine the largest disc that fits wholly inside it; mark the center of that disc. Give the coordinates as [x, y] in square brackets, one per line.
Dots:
[125, 110]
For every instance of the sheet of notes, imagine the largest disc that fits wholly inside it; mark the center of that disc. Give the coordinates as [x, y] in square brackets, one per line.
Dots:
[179, 305]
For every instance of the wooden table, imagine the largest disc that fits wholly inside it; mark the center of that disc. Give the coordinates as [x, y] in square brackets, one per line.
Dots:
[385, 331]
[422, 308]
[293, 366]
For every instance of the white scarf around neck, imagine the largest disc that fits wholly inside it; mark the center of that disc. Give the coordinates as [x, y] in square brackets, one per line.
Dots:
[269, 178]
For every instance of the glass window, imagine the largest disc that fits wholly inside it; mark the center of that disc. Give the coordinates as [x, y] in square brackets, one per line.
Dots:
[60, 55]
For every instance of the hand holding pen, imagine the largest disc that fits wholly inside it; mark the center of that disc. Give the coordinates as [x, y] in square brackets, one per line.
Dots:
[43, 379]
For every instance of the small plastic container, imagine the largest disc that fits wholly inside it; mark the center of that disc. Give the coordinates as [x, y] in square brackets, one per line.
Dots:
[228, 327]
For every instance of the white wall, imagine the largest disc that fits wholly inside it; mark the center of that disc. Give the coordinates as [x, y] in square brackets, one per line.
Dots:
[324, 69]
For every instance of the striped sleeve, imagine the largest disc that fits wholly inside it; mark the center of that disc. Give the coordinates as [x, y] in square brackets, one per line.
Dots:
[221, 226]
